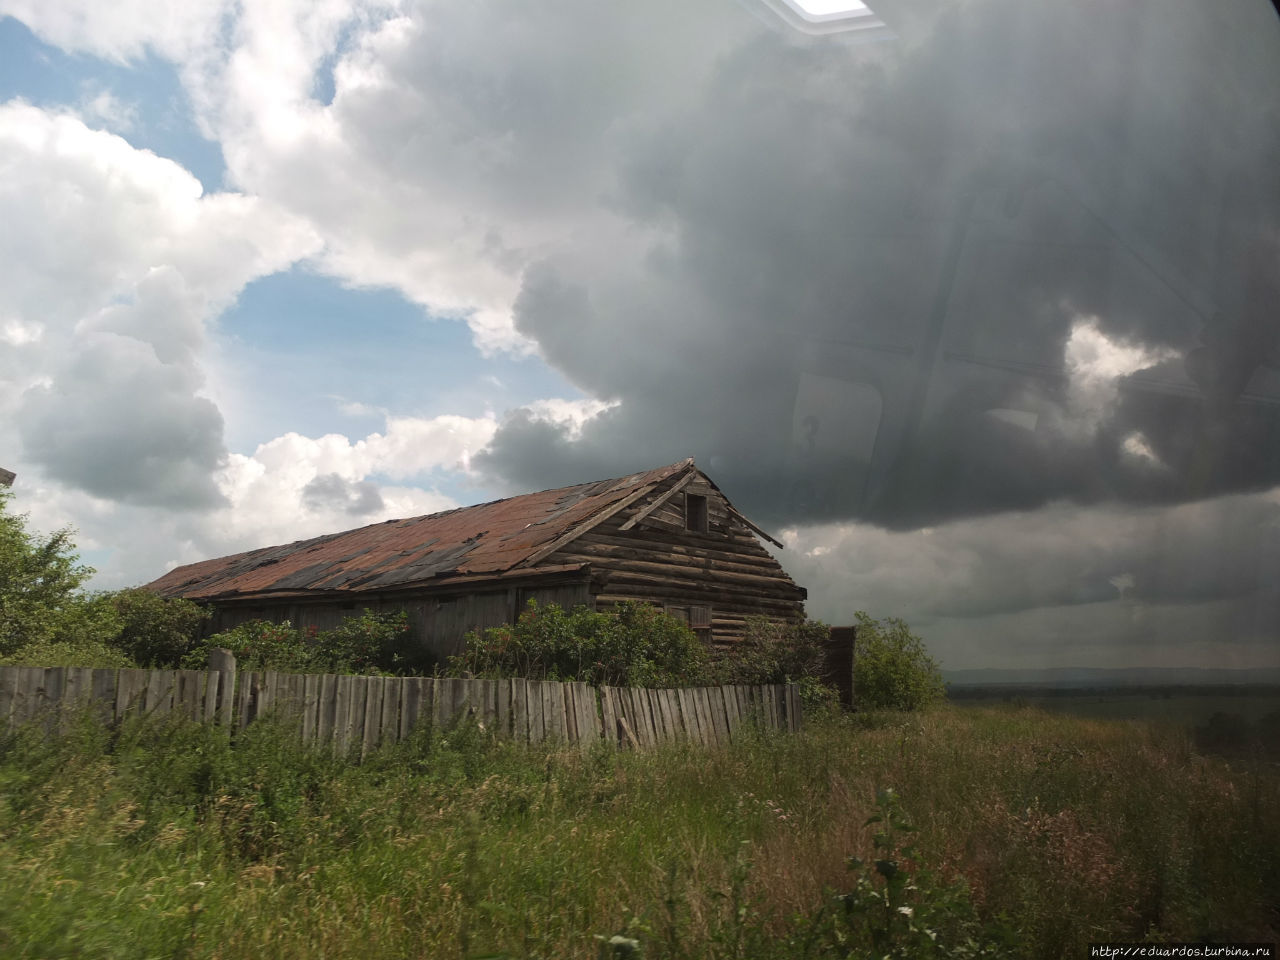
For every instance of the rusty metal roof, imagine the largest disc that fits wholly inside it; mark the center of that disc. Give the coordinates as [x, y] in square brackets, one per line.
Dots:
[489, 538]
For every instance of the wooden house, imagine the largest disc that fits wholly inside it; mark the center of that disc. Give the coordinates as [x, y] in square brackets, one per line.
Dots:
[667, 537]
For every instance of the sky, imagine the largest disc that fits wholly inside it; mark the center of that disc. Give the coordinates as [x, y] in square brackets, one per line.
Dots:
[976, 312]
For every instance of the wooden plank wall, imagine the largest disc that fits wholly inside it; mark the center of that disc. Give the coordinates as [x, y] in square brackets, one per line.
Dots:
[359, 714]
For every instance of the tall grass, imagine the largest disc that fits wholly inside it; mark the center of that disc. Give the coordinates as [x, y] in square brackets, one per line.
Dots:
[1034, 834]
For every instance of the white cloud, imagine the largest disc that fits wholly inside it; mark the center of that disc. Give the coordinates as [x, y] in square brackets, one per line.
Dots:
[573, 415]
[112, 262]
[1095, 364]
[123, 30]
[102, 107]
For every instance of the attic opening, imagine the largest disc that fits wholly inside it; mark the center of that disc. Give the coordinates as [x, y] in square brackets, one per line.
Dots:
[695, 513]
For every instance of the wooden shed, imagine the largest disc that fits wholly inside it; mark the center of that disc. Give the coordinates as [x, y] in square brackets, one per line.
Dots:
[666, 536]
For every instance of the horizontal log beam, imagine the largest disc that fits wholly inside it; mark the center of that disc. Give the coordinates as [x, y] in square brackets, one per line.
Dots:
[614, 558]
[727, 583]
[719, 551]
[722, 599]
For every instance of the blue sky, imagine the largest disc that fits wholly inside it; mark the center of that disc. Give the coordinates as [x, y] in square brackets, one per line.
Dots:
[162, 120]
[277, 269]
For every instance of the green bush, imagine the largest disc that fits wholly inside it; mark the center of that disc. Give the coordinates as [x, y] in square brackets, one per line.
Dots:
[772, 652]
[156, 631]
[891, 668]
[634, 644]
[260, 645]
[370, 643]
[82, 652]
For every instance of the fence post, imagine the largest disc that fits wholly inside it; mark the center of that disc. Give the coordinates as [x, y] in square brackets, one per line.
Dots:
[223, 661]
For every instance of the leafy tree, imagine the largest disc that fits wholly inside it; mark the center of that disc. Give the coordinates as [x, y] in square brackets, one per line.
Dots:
[40, 589]
[891, 668]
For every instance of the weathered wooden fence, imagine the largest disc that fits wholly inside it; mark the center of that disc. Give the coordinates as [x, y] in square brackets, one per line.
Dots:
[359, 713]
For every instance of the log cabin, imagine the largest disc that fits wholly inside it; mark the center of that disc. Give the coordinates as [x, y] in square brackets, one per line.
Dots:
[667, 537]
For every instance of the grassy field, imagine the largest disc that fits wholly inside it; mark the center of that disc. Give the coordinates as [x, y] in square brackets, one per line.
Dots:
[1034, 833]
[1172, 705]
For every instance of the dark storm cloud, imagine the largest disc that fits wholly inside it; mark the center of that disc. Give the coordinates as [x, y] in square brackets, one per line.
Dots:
[825, 236]
[1110, 584]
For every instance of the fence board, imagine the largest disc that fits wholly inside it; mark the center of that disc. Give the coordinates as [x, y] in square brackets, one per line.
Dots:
[733, 722]
[608, 716]
[710, 729]
[627, 713]
[705, 723]
[671, 714]
[343, 692]
[721, 709]
[688, 721]
[492, 693]
[366, 731]
[588, 718]
[719, 714]
[209, 702]
[26, 692]
[326, 708]
[130, 685]
[390, 732]
[356, 715]
[698, 732]
[537, 716]
[649, 708]
[77, 686]
[8, 692]
[553, 710]
[520, 709]
[502, 690]
[412, 698]
[639, 716]
[186, 694]
[661, 715]
[444, 702]
[310, 706]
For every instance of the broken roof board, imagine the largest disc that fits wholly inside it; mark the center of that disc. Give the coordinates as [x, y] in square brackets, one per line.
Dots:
[486, 538]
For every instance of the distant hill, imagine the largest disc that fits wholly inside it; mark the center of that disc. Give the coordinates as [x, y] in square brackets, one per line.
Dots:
[1110, 677]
